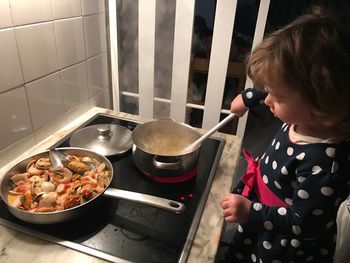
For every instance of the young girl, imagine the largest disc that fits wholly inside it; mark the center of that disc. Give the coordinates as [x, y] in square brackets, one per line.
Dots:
[286, 203]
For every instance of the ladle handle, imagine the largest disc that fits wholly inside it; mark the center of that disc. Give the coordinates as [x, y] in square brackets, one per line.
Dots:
[211, 131]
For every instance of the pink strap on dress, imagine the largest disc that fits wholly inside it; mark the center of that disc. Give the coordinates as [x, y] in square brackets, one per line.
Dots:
[253, 182]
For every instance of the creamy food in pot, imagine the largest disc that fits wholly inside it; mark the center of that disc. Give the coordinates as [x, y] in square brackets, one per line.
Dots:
[162, 145]
[40, 188]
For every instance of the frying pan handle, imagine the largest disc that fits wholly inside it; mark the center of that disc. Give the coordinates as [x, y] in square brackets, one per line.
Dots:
[151, 200]
[166, 165]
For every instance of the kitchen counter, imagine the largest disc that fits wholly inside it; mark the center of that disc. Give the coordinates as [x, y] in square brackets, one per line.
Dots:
[16, 246]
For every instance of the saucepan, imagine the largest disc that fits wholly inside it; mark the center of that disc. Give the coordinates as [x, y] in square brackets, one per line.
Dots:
[92, 162]
[157, 148]
[167, 148]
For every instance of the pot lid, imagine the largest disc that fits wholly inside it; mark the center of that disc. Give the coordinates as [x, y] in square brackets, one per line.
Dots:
[105, 139]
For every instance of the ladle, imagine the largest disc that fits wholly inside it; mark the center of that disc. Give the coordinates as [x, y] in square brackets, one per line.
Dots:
[199, 141]
[59, 159]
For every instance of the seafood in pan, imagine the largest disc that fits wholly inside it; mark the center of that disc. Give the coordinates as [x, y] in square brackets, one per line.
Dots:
[40, 188]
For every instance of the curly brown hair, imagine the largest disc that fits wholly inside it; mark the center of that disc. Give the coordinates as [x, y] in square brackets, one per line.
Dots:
[311, 56]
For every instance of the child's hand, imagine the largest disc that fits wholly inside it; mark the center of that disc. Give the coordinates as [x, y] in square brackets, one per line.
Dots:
[237, 106]
[236, 208]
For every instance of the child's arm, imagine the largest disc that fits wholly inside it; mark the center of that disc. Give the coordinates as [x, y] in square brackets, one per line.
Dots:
[249, 98]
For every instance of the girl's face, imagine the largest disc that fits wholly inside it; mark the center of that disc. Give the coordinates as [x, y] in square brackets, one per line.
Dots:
[287, 106]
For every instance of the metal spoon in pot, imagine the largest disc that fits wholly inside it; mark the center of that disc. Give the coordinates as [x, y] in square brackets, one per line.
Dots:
[193, 146]
[58, 160]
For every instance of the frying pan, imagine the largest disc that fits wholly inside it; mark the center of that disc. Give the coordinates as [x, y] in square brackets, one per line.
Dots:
[68, 214]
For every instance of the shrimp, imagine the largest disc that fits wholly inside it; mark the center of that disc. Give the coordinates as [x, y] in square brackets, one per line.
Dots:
[63, 176]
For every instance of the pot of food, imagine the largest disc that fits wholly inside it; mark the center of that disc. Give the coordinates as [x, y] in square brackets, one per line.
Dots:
[158, 148]
[36, 193]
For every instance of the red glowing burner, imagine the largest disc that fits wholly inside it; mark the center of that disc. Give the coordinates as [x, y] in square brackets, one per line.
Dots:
[174, 179]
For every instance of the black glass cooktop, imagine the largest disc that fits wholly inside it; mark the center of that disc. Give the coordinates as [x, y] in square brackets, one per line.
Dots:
[121, 230]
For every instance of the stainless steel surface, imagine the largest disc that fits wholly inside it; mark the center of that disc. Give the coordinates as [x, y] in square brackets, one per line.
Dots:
[105, 139]
[206, 135]
[155, 201]
[68, 214]
[57, 159]
[163, 137]
[157, 147]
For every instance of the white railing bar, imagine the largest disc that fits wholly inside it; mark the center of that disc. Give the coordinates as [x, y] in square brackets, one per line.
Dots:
[188, 105]
[130, 94]
[258, 36]
[219, 58]
[147, 16]
[113, 40]
[181, 58]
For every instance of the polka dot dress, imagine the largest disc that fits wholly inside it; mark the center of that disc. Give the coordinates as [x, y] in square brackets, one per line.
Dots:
[313, 179]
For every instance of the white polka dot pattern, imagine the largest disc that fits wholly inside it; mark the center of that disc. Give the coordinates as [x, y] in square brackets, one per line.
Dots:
[327, 191]
[295, 243]
[316, 169]
[274, 165]
[277, 145]
[317, 212]
[288, 201]
[335, 167]
[305, 177]
[267, 160]
[240, 229]
[284, 170]
[301, 179]
[267, 245]
[277, 185]
[282, 211]
[257, 206]
[303, 194]
[300, 156]
[249, 95]
[284, 242]
[265, 179]
[268, 225]
[296, 229]
[330, 151]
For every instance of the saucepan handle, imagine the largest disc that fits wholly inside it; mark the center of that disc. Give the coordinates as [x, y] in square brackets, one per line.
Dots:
[167, 165]
[151, 200]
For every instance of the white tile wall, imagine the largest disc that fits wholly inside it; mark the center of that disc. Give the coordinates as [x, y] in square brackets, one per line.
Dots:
[74, 85]
[94, 30]
[28, 12]
[44, 71]
[5, 14]
[37, 50]
[101, 99]
[92, 7]
[14, 117]
[97, 73]
[45, 100]
[70, 41]
[10, 68]
[66, 8]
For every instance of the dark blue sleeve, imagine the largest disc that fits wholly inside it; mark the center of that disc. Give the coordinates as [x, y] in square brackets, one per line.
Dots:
[252, 97]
